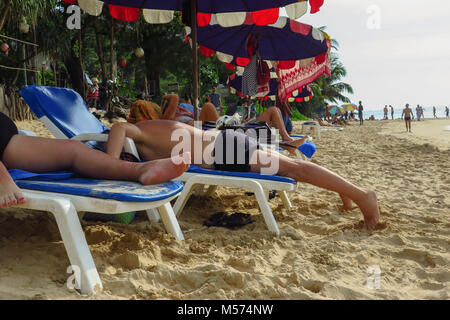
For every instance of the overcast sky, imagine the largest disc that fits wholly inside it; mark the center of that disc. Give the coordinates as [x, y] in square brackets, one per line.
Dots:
[407, 60]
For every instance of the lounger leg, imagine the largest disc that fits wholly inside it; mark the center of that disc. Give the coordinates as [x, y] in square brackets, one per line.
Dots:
[210, 191]
[184, 196]
[76, 246]
[153, 215]
[284, 197]
[265, 208]
[170, 221]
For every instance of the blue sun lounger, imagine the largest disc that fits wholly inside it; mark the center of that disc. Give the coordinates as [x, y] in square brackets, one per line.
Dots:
[65, 195]
[66, 115]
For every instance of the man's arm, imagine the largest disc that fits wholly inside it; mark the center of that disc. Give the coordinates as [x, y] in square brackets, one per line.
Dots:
[117, 135]
[171, 109]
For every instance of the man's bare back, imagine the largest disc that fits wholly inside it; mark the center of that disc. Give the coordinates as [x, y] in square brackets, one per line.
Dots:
[155, 139]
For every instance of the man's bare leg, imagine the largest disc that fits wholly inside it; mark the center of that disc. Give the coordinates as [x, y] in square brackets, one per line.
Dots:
[59, 154]
[273, 118]
[304, 171]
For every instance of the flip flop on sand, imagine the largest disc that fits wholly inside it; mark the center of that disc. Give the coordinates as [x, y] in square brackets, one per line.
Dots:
[221, 219]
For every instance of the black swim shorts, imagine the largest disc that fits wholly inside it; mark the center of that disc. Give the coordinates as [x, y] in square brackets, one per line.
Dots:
[233, 151]
[7, 130]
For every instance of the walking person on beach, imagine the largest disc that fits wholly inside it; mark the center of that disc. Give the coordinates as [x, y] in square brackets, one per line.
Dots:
[407, 112]
[446, 111]
[422, 110]
[392, 112]
[360, 113]
[418, 112]
[385, 112]
[434, 112]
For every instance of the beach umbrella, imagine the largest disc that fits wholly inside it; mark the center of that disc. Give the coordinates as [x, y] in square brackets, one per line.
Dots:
[298, 52]
[349, 107]
[234, 84]
[285, 40]
[227, 13]
[333, 110]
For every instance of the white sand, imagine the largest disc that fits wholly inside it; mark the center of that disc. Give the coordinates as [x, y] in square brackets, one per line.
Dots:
[322, 253]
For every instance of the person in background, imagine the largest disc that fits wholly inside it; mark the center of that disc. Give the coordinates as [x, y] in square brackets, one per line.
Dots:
[392, 112]
[360, 113]
[216, 101]
[93, 94]
[446, 112]
[418, 113]
[385, 112]
[407, 112]
[286, 113]
[434, 112]
[422, 110]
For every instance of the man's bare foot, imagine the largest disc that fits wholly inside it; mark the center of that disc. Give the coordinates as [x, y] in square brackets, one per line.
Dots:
[159, 171]
[369, 209]
[292, 145]
[10, 195]
[346, 203]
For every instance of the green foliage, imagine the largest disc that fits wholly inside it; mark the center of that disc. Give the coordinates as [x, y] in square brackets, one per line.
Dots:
[208, 78]
[297, 116]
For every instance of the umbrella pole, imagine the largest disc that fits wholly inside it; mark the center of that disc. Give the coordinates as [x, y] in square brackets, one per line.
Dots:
[194, 57]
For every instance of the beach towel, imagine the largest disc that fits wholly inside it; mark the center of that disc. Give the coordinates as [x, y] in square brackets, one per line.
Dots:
[142, 110]
[304, 72]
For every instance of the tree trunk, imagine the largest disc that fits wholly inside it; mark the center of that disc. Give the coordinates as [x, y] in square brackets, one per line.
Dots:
[104, 99]
[153, 74]
[75, 70]
[113, 57]
[5, 14]
[101, 57]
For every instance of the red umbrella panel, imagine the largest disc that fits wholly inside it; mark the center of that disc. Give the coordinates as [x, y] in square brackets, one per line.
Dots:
[226, 13]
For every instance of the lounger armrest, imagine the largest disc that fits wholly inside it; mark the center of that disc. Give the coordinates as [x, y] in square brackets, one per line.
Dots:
[129, 145]
[26, 133]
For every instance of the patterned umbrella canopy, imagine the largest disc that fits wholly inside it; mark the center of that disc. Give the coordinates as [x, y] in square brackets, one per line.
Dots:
[285, 40]
[227, 13]
[333, 109]
[349, 107]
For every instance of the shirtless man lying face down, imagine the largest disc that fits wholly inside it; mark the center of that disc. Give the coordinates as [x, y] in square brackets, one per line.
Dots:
[159, 139]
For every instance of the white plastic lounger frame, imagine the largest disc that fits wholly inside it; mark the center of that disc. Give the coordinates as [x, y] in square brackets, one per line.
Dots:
[65, 208]
[259, 186]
